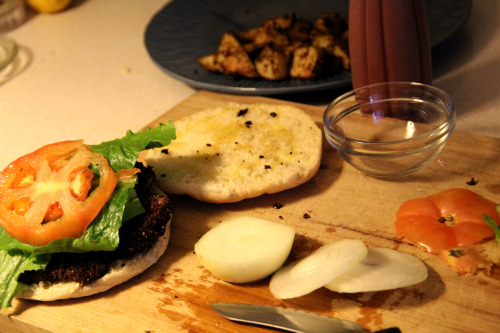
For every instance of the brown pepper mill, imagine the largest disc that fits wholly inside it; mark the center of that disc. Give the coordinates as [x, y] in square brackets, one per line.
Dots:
[389, 42]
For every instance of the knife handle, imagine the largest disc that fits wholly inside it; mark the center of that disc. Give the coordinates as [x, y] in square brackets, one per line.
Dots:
[389, 330]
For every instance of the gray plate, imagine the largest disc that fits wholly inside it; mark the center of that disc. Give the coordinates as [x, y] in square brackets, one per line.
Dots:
[186, 29]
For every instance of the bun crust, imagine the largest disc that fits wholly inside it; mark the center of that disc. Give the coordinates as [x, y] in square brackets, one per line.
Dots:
[121, 271]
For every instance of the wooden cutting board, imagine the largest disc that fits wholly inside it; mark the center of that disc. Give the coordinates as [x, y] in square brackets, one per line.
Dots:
[339, 202]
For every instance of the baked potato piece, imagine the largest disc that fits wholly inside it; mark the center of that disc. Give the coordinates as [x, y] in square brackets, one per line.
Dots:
[282, 47]
[230, 58]
[239, 63]
[342, 54]
[280, 23]
[307, 62]
[266, 37]
[334, 49]
[326, 42]
[272, 33]
[228, 44]
[331, 24]
[272, 64]
[300, 30]
[248, 36]
[210, 63]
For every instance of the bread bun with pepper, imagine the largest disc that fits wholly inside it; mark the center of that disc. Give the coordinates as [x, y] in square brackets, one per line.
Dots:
[237, 151]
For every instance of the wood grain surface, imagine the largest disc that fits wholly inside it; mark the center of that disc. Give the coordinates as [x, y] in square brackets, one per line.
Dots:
[339, 202]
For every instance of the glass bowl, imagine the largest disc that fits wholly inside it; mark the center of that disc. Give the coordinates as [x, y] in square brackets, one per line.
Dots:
[390, 129]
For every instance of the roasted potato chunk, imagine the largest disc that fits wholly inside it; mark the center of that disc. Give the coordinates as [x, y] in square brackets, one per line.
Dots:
[307, 62]
[230, 58]
[210, 63]
[280, 23]
[300, 30]
[343, 55]
[331, 24]
[239, 63]
[282, 47]
[334, 49]
[272, 64]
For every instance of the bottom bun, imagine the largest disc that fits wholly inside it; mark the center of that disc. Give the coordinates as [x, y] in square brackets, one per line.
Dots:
[121, 271]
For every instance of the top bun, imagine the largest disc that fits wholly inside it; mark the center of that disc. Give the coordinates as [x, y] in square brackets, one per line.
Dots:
[237, 152]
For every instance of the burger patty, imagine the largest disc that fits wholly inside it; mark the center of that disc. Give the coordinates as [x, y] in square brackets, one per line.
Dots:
[136, 236]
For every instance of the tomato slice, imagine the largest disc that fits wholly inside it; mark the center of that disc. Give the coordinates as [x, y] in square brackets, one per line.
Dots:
[47, 194]
[446, 219]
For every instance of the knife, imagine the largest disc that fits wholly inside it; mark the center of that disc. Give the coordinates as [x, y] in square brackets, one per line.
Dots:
[289, 320]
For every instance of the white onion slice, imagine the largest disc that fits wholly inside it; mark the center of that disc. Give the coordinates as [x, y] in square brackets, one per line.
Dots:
[382, 269]
[245, 249]
[318, 268]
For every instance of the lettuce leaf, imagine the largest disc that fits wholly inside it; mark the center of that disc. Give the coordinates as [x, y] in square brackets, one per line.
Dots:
[103, 233]
[13, 264]
[491, 222]
[122, 153]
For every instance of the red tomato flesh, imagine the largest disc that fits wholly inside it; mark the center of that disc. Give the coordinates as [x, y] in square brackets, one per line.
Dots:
[446, 219]
[46, 195]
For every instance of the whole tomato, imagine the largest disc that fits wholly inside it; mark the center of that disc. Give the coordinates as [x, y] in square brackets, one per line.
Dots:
[446, 219]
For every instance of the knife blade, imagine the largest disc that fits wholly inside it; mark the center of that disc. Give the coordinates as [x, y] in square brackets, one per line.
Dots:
[290, 320]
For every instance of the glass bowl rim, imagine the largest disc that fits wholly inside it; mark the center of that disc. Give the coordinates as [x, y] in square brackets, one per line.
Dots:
[447, 125]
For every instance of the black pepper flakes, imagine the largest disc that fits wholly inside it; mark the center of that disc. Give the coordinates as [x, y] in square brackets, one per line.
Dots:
[278, 205]
[280, 217]
[472, 181]
[242, 112]
[261, 156]
[306, 216]
[267, 167]
[209, 145]
[273, 114]
[163, 175]
[164, 151]
[248, 124]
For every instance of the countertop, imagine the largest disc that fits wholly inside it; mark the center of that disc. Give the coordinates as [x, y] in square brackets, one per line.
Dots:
[86, 74]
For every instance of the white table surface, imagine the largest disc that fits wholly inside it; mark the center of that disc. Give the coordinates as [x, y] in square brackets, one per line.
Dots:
[89, 75]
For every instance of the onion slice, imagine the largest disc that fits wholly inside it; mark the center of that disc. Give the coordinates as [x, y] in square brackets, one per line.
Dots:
[245, 249]
[382, 269]
[317, 269]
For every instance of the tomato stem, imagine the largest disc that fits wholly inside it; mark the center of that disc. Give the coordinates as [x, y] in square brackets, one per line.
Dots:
[457, 253]
[448, 220]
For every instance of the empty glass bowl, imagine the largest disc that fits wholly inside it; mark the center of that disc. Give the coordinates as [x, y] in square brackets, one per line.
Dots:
[390, 129]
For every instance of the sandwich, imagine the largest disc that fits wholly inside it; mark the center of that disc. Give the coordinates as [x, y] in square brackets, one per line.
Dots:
[78, 219]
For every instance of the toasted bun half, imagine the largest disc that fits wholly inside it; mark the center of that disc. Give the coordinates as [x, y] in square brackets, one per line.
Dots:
[120, 271]
[238, 151]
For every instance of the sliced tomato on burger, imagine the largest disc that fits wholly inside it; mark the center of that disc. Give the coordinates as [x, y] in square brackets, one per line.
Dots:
[52, 193]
